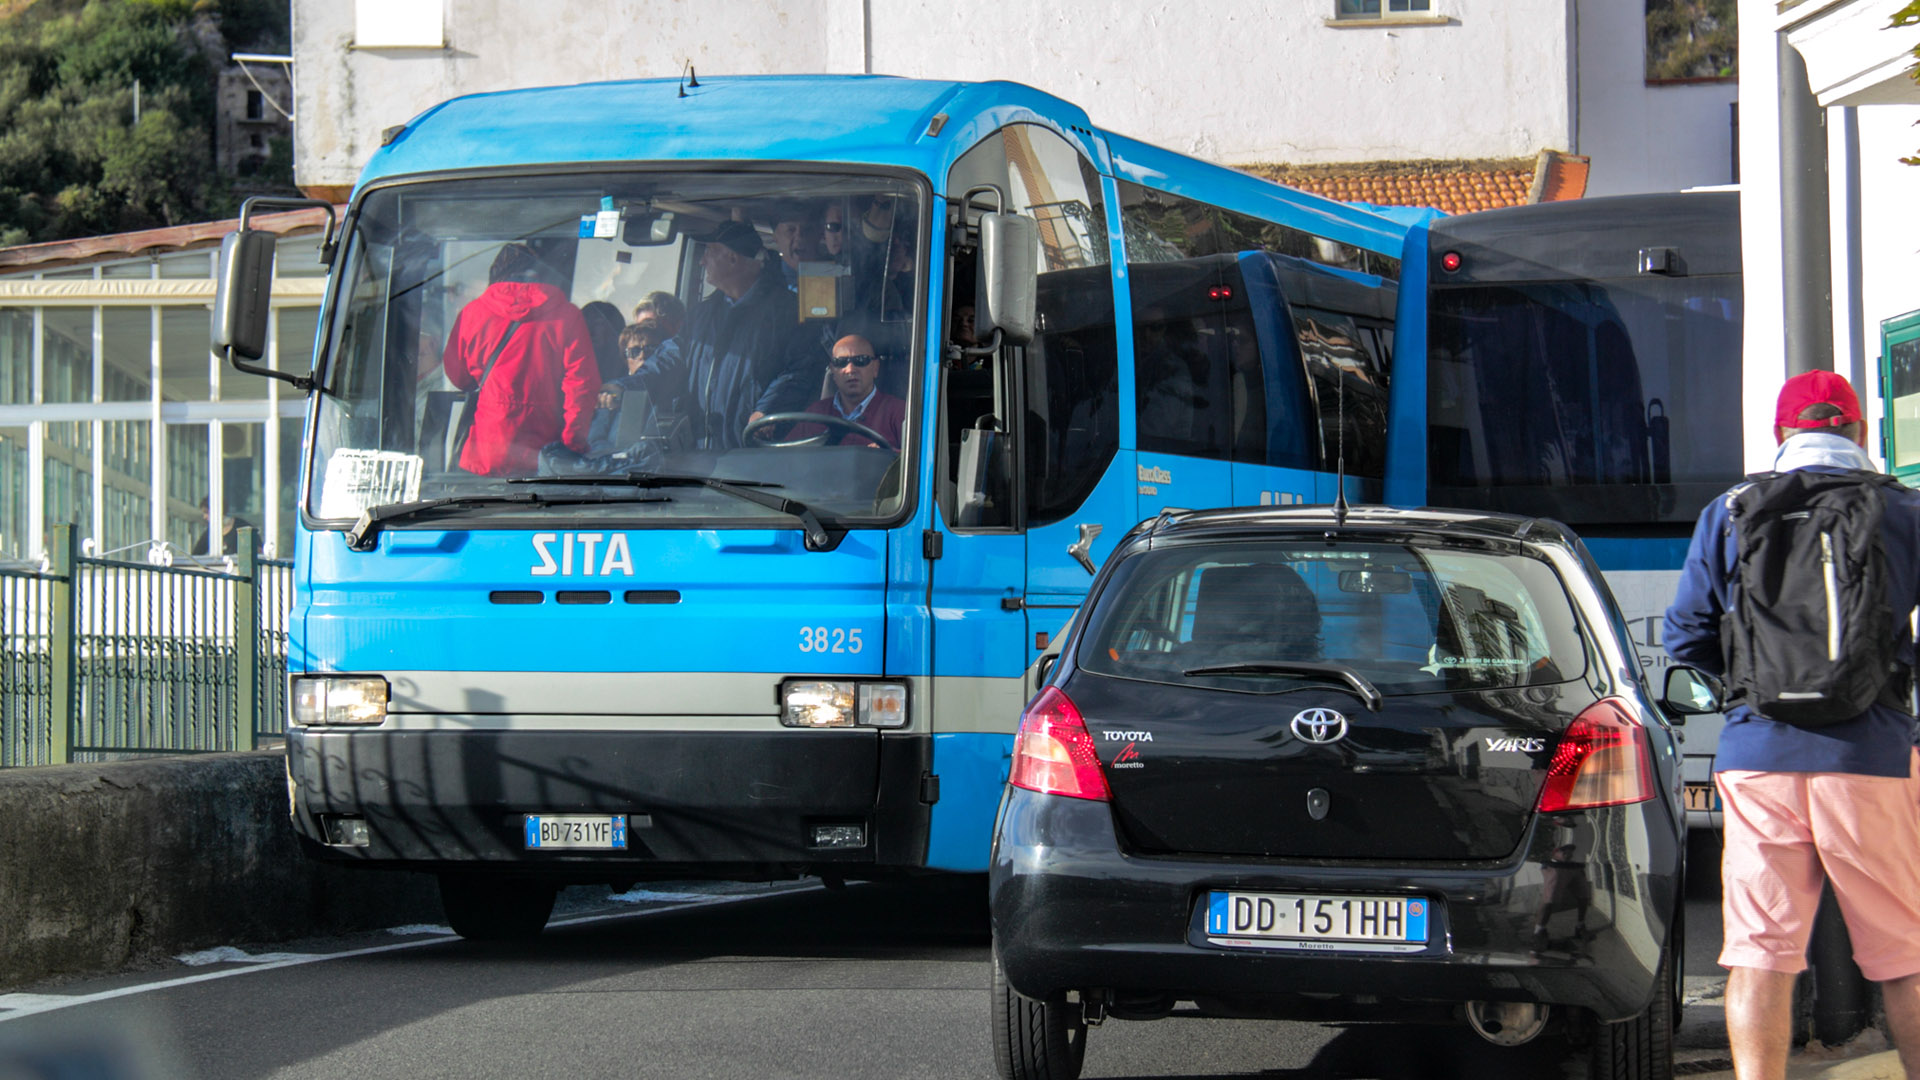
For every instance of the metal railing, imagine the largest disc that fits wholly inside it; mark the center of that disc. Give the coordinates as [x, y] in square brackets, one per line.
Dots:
[101, 658]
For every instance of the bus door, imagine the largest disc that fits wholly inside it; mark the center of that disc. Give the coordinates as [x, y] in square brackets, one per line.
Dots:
[976, 596]
[1340, 326]
[1028, 498]
[1275, 451]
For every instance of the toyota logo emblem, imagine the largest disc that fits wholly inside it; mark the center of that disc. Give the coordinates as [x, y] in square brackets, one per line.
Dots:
[1319, 726]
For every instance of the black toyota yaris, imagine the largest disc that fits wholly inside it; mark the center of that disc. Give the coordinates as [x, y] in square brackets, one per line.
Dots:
[1395, 765]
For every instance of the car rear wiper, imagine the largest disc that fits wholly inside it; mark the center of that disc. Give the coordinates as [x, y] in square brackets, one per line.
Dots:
[817, 536]
[1355, 682]
[365, 533]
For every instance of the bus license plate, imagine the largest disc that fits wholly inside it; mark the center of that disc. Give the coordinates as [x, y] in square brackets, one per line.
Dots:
[588, 832]
[1293, 920]
[1702, 797]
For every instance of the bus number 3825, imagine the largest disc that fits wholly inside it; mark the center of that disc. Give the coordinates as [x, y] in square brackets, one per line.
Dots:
[836, 639]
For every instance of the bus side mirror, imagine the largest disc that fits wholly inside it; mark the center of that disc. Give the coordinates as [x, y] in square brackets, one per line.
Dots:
[245, 287]
[245, 293]
[1008, 277]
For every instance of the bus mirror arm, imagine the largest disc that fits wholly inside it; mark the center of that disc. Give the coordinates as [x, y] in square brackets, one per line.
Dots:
[245, 288]
[957, 352]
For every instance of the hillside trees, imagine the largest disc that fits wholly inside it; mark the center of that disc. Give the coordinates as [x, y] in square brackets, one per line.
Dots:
[73, 161]
[1692, 39]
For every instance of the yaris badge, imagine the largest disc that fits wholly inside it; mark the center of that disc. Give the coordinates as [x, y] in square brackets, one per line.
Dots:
[1319, 726]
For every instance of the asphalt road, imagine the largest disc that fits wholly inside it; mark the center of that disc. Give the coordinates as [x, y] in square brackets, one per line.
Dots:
[881, 981]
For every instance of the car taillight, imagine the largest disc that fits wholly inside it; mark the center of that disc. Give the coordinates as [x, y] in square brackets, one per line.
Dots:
[1053, 754]
[1602, 760]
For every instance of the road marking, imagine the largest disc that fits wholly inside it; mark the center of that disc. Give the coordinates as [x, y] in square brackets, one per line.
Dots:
[18, 1006]
[227, 954]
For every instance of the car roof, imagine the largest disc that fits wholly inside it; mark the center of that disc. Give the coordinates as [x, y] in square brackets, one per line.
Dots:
[1356, 523]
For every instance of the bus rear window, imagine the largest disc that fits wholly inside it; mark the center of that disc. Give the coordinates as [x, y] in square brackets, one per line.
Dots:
[1596, 403]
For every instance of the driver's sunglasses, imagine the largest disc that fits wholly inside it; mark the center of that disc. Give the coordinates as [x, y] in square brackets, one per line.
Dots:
[636, 350]
[834, 226]
[859, 361]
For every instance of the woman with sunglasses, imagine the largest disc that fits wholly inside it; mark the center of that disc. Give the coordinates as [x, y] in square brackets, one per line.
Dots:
[650, 337]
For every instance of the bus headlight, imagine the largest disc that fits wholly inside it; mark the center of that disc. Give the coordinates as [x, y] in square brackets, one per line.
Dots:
[822, 704]
[319, 700]
[817, 704]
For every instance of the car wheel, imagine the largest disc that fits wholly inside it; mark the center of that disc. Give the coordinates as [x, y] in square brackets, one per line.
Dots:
[1640, 1048]
[1035, 1040]
[490, 907]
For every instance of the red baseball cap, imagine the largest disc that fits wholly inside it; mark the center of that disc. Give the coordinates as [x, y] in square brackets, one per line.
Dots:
[1816, 388]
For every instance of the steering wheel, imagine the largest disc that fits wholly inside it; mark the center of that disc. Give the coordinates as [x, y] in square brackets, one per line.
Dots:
[880, 442]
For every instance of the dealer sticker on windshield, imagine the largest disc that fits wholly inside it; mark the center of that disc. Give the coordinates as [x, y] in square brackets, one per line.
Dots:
[1318, 922]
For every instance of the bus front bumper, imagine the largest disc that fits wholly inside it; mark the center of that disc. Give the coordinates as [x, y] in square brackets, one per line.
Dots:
[697, 803]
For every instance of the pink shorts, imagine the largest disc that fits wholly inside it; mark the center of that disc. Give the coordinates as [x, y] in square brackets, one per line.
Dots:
[1786, 831]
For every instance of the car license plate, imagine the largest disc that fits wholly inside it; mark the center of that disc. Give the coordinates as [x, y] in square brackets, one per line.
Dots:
[1311, 921]
[1702, 797]
[589, 832]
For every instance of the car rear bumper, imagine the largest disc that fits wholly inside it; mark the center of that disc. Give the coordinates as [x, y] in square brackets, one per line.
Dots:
[699, 803]
[1071, 911]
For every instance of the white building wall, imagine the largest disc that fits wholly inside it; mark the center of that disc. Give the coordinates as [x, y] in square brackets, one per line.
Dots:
[1223, 79]
[1240, 83]
[1765, 336]
[1889, 235]
[348, 96]
[1890, 239]
[1645, 138]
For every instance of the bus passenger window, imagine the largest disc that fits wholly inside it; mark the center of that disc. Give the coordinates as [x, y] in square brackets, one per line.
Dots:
[1349, 387]
[1215, 373]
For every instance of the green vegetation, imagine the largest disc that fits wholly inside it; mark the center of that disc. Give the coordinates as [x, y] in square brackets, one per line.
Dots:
[73, 162]
[1692, 39]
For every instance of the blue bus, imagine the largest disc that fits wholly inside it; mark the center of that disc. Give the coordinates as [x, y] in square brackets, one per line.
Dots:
[1583, 363]
[756, 625]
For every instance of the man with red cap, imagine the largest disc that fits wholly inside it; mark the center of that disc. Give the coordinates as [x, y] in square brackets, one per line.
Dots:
[1811, 796]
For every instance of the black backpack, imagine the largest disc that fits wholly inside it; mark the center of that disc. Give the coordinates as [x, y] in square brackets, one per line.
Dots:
[1809, 635]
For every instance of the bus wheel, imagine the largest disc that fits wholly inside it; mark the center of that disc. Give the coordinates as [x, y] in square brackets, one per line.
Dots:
[494, 907]
[1035, 1040]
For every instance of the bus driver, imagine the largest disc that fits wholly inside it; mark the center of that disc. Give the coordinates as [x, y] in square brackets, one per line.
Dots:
[855, 373]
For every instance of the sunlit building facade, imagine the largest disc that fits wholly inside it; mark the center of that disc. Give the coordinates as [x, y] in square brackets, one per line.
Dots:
[114, 414]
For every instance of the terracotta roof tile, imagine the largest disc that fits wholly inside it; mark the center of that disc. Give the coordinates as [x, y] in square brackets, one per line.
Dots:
[1456, 187]
[58, 253]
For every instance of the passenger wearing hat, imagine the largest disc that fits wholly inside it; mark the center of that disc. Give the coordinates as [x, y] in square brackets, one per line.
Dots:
[1840, 802]
[744, 353]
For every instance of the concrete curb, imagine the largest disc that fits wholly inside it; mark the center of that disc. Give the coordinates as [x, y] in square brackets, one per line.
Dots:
[108, 866]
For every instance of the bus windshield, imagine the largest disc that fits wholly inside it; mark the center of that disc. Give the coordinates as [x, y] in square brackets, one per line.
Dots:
[508, 343]
[1599, 402]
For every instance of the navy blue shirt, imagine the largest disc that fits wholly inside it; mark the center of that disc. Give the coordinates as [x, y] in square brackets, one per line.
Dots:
[1876, 743]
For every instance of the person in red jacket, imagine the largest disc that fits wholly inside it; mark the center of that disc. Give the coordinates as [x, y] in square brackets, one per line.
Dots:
[541, 389]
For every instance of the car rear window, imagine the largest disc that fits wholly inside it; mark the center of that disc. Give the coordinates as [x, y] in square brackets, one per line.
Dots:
[1410, 619]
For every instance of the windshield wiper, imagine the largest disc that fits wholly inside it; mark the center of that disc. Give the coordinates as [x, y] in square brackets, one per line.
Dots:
[365, 534]
[1355, 682]
[817, 536]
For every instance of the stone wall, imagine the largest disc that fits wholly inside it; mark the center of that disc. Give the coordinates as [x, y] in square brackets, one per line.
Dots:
[108, 866]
